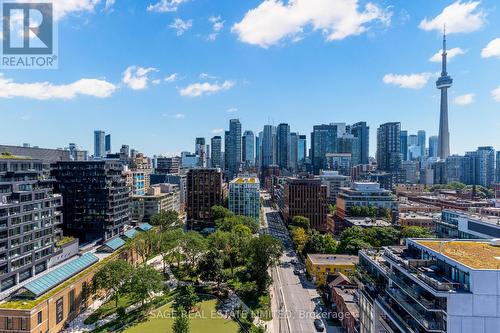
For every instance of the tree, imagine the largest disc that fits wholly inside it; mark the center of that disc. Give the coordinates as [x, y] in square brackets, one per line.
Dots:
[332, 209]
[381, 236]
[114, 276]
[264, 252]
[301, 221]
[166, 220]
[192, 246]
[145, 280]
[416, 232]
[300, 238]
[220, 213]
[318, 243]
[354, 245]
[169, 242]
[229, 223]
[211, 268]
[181, 321]
[186, 298]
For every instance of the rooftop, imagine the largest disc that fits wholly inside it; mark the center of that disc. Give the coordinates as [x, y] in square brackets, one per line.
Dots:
[473, 254]
[367, 222]
[331, 259]
[245, 180]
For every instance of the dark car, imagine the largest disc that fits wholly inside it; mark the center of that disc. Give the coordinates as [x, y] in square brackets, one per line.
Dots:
[318, 324]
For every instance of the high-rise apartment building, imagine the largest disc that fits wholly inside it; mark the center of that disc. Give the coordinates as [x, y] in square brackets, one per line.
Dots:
[258, 150]
[421, 135]
[99, 144]
[484, 166]
[244, 197]
[107, 144]
[248, 148]
[233, 148]
[37, 153]
[323, 139]
[301, 150]
[283, 145]
[294, 146]
[334, 181]
[168, 165]
[200, 151]
[204, 190]
[361, 131]
[389, 149]
[216, 152]
[498, 167]
[96, 203]
[433, 146]
[30, 219]
[404, 145]
[268, 146]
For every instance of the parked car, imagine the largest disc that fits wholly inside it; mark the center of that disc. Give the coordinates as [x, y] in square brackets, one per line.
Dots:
[318, 324]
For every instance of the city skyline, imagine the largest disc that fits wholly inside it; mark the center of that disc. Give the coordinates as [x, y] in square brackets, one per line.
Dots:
[173, 94]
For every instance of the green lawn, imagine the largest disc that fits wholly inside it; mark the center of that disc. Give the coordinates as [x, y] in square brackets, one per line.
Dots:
[109, 308]
[206, 320]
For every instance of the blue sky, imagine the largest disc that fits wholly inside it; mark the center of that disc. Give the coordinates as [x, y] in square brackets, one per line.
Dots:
[156, 74]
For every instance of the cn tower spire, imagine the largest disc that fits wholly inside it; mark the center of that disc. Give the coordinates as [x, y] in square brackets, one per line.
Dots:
[443, 83]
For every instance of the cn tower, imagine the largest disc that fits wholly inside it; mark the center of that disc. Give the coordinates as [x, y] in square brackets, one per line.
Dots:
[443, 83]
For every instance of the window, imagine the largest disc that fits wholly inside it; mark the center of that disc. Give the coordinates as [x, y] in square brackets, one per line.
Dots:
[72, 303]
[23, 323]
[40, 317]
[59, 310]
[8, 323]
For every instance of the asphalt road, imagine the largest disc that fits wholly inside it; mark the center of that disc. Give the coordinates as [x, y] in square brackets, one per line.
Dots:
[296, 296]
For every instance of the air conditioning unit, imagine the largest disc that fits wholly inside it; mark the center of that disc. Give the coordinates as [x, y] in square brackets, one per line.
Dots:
[495, 242]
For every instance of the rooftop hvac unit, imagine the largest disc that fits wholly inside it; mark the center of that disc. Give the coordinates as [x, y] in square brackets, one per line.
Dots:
[495, 242]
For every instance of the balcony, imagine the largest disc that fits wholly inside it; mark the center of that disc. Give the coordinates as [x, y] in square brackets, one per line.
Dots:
[393, 316]
[427, 304]
[423, 318]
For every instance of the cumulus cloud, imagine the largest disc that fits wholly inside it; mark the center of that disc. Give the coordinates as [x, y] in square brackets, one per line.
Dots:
[452, 53]
[206, 76]
[465, 99]
[46, 90]
[492, 49]
[164, 6]
[217, 26]
[459, 17]
[217, 130]
[205, 88]
[172, 77]
[136, 77]
[410, 81]
[181, 26]
[496, 94]
[273, 20]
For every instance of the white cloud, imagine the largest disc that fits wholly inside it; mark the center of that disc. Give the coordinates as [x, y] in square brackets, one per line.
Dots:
[163, 6]
[217, 26]
[179, 116]
[108, 6]
[273, 20]
[217, 130]
[46, 90]
[452, 53]
[465, 99]
[496, 94]
[65, 7]
[205, 88]
[181, 26]
[492, 49]
[459, 17]
[232, 110]
[206, 76]
[172, 77]
[136, 77]
[410, 81]
[156, 82]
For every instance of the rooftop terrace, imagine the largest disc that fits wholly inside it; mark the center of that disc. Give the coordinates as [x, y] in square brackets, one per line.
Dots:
[473, 254]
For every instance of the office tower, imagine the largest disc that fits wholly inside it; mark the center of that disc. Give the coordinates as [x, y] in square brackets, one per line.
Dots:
[200, 150]
[388, 149]
[268, 144]
[96, 202]
[340, 162]
[306, 197]
[233, 148]
[433, 146]
[362, 132]
[244, 197]
[412, 140]
[302, 149]
[216, 149]
[107, 144]
[283, 145]
[349, 144]
[443, 83]
[421, 142]
[30, 218]
[258, 149]
[460, 169]
[168, 165]
[204, 190]
[294, 146]
[323, 140]
[248, 148]
[99, 144]
[404, 145]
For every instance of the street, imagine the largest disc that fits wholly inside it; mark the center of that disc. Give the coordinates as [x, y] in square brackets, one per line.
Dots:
[295, 298]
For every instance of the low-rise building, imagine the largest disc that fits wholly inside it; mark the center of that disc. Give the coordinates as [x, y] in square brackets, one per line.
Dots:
[244, 196]
[319, 266]
[334, 182]
[464, 225]
[347, 309]
[160, 198]
[430, 286]
[424, 220]
[449, 202]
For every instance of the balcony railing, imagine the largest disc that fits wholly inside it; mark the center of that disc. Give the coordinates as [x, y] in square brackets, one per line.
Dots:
[429, 305]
